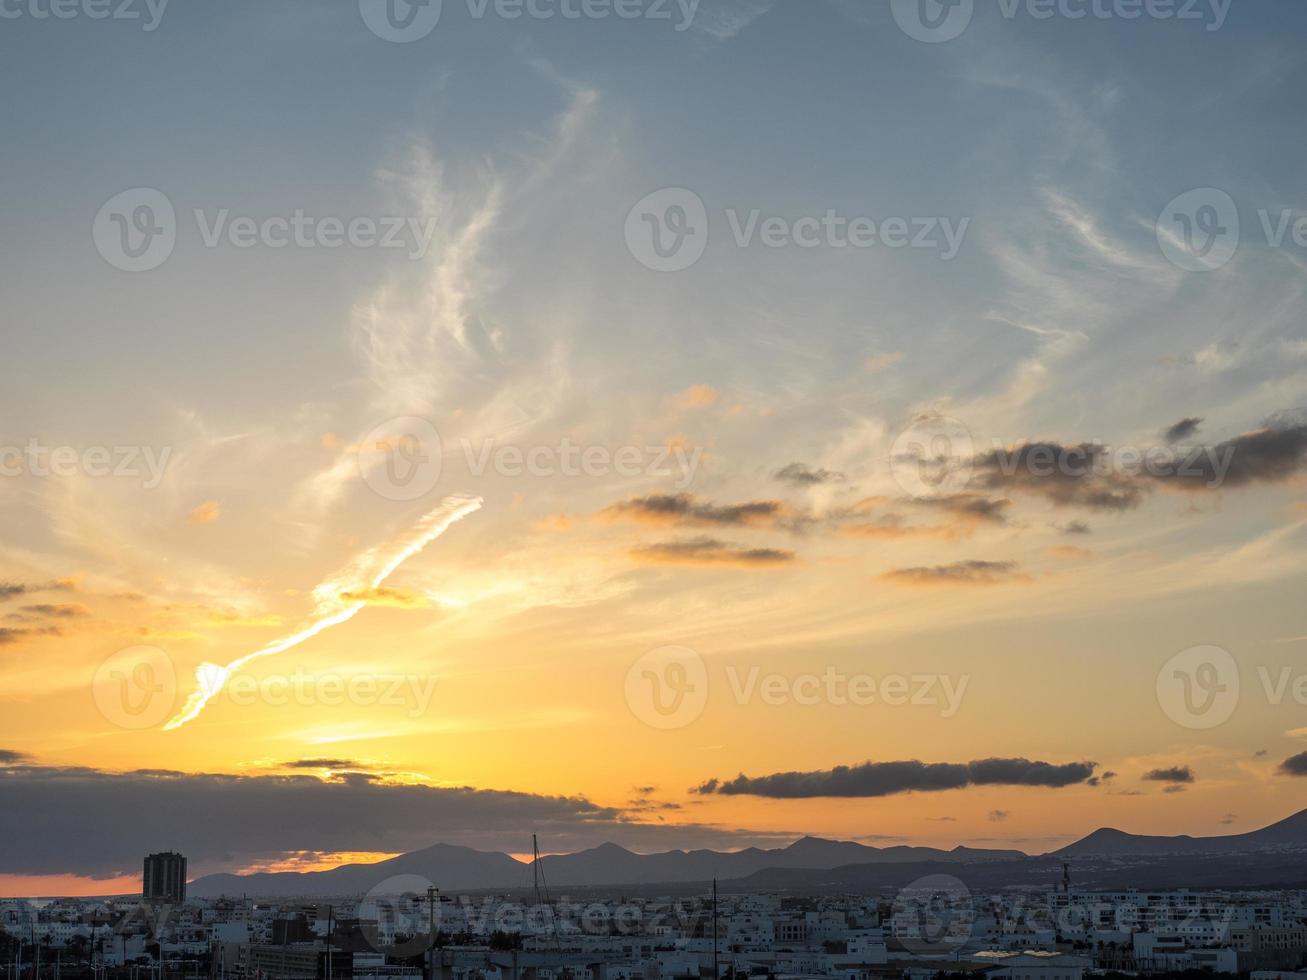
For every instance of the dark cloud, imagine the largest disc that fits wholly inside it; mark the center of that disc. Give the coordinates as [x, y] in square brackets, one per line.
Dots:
[1175, 774]
[1261, 753]
[1269, 455]
[802, 475]
[90, 822]
[67, 610]
[1075, 527]
[9, 590]
[1182, 430]
[872, 779]
[9, 756]
[10, 636]
[962, 573]
[708, 551]
[998, 816]
[687, 510]
[1295, 765]
[1087, 476]
[969, 507]
[1065, 476]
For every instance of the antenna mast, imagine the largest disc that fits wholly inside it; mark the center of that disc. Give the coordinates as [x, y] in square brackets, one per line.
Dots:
[716, 973]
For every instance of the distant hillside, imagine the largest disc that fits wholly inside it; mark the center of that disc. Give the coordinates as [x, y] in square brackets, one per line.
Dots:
[451, 867]
[1274, 854]
[1107, 842]
[613, 865]
[460, 868]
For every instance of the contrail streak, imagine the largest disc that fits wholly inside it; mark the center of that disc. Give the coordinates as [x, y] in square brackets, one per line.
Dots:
[368, 571]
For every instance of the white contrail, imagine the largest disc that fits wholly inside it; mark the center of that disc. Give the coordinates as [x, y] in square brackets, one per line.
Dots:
[368, 571]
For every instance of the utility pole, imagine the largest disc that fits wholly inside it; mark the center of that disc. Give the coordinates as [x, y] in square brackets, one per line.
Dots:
[433, 896]
[330, 911]
[715, 973]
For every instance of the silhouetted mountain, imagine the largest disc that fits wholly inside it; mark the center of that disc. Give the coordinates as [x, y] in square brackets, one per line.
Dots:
[460, 868]
[452, 867]
[1290, 833]
[613, 865]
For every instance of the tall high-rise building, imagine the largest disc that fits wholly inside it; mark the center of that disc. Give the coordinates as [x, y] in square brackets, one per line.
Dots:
[164, 879]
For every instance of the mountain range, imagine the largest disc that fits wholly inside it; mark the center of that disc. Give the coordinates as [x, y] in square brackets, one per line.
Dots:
[462, 868]
[1108, 842]
[809, 862]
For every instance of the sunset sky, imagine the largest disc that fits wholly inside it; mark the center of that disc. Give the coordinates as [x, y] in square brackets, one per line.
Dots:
[805, 463]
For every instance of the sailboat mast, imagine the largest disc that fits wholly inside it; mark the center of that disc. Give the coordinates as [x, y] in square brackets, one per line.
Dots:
[535, 866]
